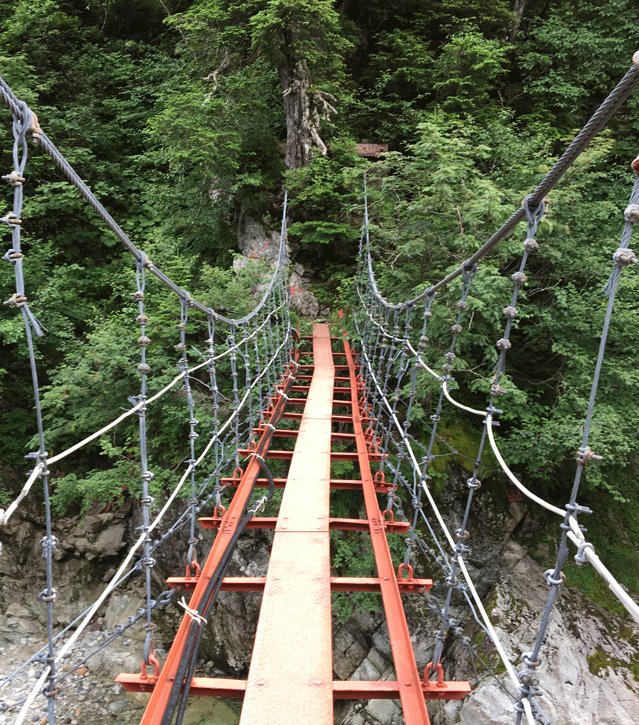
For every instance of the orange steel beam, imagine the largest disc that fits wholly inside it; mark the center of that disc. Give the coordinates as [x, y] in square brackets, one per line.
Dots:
[349, 484]
[341, 690]
[335, 455]
[336, 436]
[290, 678]
[338, 584]
[408, 679]
[270, 522]
[163, 684]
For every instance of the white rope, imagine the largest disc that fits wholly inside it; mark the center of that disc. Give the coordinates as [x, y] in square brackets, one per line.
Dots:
[6, 515]
[513, 478]
[588, 550]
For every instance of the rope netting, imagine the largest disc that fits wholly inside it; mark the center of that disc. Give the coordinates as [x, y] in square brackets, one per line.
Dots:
[394, 362]
[242, 363]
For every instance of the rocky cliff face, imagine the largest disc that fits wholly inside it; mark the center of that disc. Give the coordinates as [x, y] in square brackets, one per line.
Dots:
[590, 662]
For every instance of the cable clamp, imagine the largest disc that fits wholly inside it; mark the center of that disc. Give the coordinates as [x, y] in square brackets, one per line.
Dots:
[575, 509]
[580, 556]
[193, 613]
[16, 300]
[527, 659]
[585, 455]
[260, 505]
[14, 178]
[551, 581]
[631, 213]
[11, 256]
[34, 128]
[48, 544]
[44, 597]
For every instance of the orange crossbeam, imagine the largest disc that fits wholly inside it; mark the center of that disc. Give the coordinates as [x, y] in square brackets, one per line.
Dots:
[338, 584]
[270, 522]
[341, 689]
[349, 484]
[335, 455]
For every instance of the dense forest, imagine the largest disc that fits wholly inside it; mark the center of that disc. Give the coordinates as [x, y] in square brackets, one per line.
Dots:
[176, 112]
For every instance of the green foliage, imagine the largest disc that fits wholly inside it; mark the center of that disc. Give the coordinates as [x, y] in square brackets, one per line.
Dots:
[466, 70]
[105, 486]
[308, 30]
[575, 53]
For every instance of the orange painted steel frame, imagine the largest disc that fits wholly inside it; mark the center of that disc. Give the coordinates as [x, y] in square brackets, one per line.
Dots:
[290, 679]
[408, 679]
[162, 687]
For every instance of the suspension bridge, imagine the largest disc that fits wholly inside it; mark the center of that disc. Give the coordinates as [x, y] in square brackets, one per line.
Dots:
[304, 404]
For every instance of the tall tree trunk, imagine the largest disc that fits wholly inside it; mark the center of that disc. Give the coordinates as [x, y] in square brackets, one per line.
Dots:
[302, 107]
[519, 8]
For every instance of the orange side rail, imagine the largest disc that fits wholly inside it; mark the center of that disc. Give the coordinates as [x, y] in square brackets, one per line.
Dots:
[408, 679]
[163, 684]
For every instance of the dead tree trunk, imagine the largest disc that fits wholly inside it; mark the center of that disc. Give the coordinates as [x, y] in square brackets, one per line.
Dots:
[304, 106]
